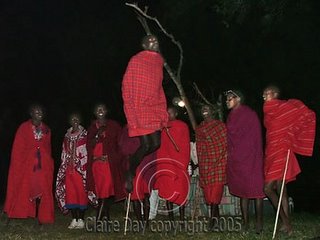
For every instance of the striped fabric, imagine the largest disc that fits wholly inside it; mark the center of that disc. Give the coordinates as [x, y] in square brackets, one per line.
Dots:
[211, 139]
[290, 125]
[144, 101]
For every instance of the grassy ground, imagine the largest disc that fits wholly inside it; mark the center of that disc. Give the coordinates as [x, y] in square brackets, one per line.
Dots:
[306, 226]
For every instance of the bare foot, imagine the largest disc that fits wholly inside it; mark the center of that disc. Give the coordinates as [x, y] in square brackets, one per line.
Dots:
[286, 229]
[259, 227]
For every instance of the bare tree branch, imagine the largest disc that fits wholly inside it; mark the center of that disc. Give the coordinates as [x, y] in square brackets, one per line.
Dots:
[201, 95]
[171, 73]
[220, 108]
[144, 23]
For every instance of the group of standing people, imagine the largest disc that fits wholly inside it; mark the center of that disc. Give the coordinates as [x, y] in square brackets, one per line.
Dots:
[232, 153]
[153, 142]
[100, 165]
[90, 169]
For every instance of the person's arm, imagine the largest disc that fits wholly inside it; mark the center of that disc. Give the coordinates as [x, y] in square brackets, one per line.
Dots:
[91, 137]
[63, 152]
[185, 144]
[193, 153]
[49, 149]
[18, 153]
[90, 145]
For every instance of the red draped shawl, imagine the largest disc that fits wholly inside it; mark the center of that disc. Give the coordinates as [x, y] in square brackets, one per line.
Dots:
[211, 140]
[290, 125]
[143, 96]
[172, 179]
[110, 148]
[18, 204]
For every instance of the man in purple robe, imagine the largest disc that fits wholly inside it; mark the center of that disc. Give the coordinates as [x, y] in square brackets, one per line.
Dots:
[245, 156]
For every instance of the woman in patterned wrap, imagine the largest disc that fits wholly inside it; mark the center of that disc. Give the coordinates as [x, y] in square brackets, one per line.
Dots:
[71, 179]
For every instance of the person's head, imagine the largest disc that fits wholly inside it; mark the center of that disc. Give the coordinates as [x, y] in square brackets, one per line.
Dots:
[207, 112]
[151, 43]
[271, 92]
[36, 113]
[234, 98]
[75, 120]
[100, 111]
[173, 113]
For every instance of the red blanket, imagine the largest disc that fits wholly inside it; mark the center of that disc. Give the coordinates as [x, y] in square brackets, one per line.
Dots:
[211, 140]
[24, 161]
[172, 179]
[143, 96]
[109, 140]
[290, 125]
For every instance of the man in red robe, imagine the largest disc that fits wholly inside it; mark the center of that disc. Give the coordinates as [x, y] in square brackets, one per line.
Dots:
[172, 180]
[144, 102]
[290, 126]
[245, 175]
[211, 140]
[104, 169]
[29, 191]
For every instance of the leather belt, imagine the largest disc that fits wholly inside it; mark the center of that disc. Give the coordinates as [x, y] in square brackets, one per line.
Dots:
[103, 158]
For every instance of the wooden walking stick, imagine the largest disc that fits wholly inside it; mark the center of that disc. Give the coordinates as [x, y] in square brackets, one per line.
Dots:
[281, 193]
[100, 210]
[127, 214]
[196, 202]
[171, 139]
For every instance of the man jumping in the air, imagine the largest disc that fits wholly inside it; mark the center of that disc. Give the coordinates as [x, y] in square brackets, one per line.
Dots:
[144, 101]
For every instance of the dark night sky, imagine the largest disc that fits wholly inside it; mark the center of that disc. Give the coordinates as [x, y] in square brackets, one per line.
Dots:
[69, 55]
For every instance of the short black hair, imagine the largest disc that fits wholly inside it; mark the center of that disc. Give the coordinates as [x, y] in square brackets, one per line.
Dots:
[35, 106]
[236, 93]
[75, 113]
[273, 88]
